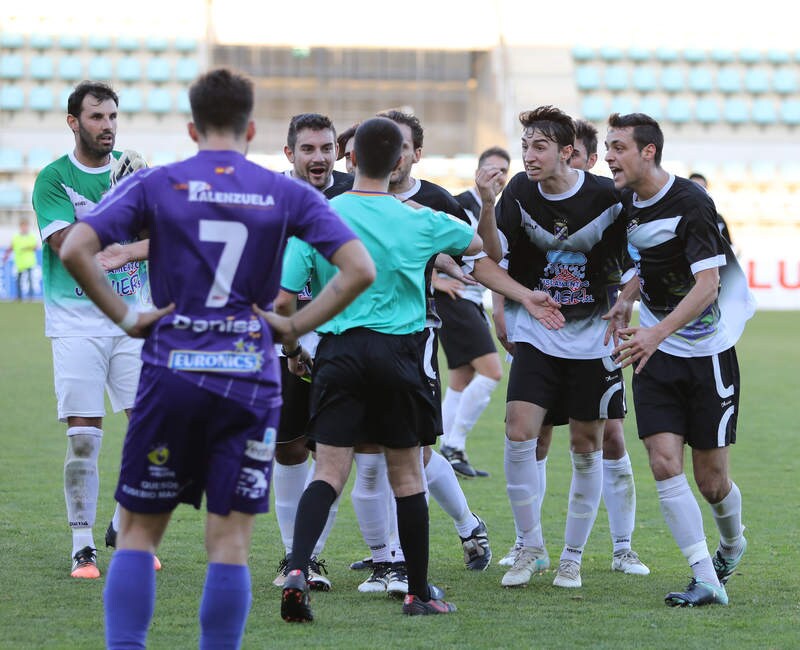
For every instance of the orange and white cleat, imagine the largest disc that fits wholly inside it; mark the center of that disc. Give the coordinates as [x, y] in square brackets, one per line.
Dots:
[84, 564]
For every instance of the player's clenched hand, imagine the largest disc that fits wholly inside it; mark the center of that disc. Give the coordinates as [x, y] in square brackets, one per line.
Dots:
[618, 317]
[638, 345]
[129, 162]
[147, 319]
[543, 308]
[301, 364]
[487, 182]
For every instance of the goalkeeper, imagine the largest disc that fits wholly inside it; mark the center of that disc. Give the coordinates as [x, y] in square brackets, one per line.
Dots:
[90, 353]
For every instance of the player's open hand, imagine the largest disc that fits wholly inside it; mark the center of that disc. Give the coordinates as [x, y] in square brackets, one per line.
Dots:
[147, 319]
[618, 317]
[282, 329]
[638, 345]
[129, 162]
[112, 257]
[543, 308]
[452, 287]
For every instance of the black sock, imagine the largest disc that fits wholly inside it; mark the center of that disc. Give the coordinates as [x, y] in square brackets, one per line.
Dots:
[312, 513]
[412, 528]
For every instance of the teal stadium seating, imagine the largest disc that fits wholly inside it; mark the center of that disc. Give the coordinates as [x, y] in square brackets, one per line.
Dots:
[706, 111]
[12, 98]
[159, 101]
[130, 100]
[101, 68]
[10, 160]
[679, 110]
[12, 41]
[186, 70]
[736, 111]
[12, 66]
[11, 195]
[70, 42]
[158, 70]
[70, 68]
[644, 79]
[129, 69]
[128, 44]
[41, 67]
[99, 42]
[672, 79]
[41, 99]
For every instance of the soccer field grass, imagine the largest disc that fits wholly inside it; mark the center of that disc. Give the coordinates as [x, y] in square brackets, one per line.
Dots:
[42, 607]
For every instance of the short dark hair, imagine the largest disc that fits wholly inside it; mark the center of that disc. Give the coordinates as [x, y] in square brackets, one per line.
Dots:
[494, 151]
[587, 134]
[411, 121]
[554, 123]
[313, 121]
[698, 176]
[96, 89]
[645, 131]
[221, 100]
[344, 138]
[378, 143]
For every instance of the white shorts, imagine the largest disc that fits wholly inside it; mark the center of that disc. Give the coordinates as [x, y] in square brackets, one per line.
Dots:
[82, 367]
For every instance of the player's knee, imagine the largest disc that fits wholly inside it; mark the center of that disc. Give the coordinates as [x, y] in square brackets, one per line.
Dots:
[292, 453]
[83, 443]
[713, 487]
[613, 441]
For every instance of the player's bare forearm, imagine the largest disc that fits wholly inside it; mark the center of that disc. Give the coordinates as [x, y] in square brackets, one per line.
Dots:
[491, 276]
[487, 230]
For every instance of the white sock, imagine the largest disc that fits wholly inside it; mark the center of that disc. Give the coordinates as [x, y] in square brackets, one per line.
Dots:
[320, 545]
[369, 492]
[685, 522]
[115, 519]
[542, 466]
[446, 491]
[584, 499]
[474, 400]
[289, 482]
[522, 485]
[728, 516]
[394, 538]
[450, 402]
[82, 483]
[619, 495]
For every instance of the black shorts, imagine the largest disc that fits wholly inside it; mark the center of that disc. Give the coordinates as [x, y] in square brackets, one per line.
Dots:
[465, 331]
[296, 393]
[557, 416]
[697, 398]
[371, 388]
[581, 389]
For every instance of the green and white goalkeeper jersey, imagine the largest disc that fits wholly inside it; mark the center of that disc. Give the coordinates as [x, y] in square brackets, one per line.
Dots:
[64, 192]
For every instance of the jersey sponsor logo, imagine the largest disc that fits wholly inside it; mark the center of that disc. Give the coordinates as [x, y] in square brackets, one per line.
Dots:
[560, 230]
[229, 325]
[260, 451]
[244, 358]
[252, 483]
[159, 455]
[565, 275]
[202, 192]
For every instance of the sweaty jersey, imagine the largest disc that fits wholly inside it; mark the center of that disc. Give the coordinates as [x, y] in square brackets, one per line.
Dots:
[400, 240]
[570, 245]
[218, 226]
[65, 191]
[673, 236]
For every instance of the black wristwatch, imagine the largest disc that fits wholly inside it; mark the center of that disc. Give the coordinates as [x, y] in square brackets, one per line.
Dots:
[294, 353]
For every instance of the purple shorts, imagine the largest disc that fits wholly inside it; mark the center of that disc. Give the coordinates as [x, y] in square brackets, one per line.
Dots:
[183, 441]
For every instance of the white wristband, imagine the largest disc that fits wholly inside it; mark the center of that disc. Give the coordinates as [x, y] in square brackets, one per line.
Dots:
[129, 320]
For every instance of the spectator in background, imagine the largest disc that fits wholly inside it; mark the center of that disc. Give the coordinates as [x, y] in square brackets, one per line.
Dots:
[24, 245]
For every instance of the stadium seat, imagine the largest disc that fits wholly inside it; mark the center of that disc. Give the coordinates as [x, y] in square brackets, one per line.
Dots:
[763, 112]
[186, 69]
[41, 98]
[11, 41]
[611, 54]
[778, 57]
[41, 68]
[593, 108]
[100, 68]
[99, 42]
[749, 56]
[622, 105]
[587, 78]
[157, 44]
[694, 55]
[672, 79]
[639, 54]
[129, 69]
[186, 45]
[579, 52]
[706, 111]
[11, 195]
[756, 82]
[130, 100]
[644, 79]
[38, 158]
[652, 106]
[70, 42]
[128, 43]
[10, 160]
[667, 54]
[616, 77]
[11, 66]
[40, 41]
[12, 98]
[159, 101]
[70, 68]
[790, 112]
[183, 102]
[63, 97]
[722, 55]
[158, 70]
[679, 111]
[784, 81]
[729, 81]
[736, 111]
[701, 80]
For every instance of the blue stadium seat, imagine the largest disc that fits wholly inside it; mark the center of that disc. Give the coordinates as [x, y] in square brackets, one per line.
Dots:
[70, 68]
[70, 42]
[756, 82]
[128, 43]
[652, 106]
[39, 158]
[130, 100]
[11, 41]
[790, 112]
[694, 55]
[667, 54]
[40, 41]
[622, 105]
[611, 54]
[587, 78]
[41, 67]
[186, 45]
[749, 56]
[99, 42]
[736, 111]
[11, 66]
[644, 79]
[784, 81]
[100, 68]
[10, 160]
[639, 54]
[593, 108]
[41, 98]
[706, 111]
[129, 69]
[158, 70]
[701, 80]
[63, 97]
[778, 57]
[157, 44]
[12, 98]
[722, 55]
[672, 79]
[159, 101]
[183, 102]
[11, 195]
[579, 52]
[186, 69]
[679, 110]
[729, 81]
[616, 77]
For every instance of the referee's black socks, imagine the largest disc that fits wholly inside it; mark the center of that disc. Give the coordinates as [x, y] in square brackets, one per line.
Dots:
[412, 528]
[312, 513]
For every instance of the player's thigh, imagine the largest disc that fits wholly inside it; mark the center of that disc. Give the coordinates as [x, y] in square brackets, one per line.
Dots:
[124, 366]
[80, 368]
[595, 389]
[660, 396]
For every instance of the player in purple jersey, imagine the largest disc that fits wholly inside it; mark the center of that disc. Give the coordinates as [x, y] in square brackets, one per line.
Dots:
[207, 404]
